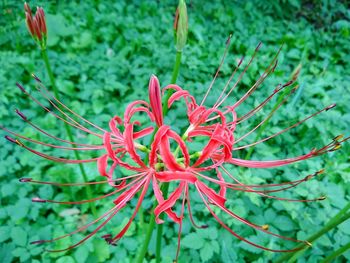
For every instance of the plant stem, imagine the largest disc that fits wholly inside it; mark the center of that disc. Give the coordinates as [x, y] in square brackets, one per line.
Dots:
[164, 188]
[68, 130]
[340, 217]
[336, 253]
[152, 222]
[176, 71]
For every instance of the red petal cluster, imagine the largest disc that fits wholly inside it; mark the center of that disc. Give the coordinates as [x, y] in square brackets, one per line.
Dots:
[169, 160]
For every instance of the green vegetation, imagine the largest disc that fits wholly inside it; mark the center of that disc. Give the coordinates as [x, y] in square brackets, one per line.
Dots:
[102, 55]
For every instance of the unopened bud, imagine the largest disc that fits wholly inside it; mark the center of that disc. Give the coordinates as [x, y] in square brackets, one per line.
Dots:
[321, 198]
[181, 25]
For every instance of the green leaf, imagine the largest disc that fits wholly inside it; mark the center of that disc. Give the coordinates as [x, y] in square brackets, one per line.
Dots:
[66, 259]
[206, 252]
[4, 233]
[19, 236]
[22, 253]
[193, 240]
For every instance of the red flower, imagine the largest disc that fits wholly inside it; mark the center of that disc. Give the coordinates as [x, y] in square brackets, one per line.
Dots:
[169, 160]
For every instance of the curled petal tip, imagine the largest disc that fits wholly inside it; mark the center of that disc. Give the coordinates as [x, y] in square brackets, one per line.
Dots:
[331, 106]
[38, 200]
[25, 180]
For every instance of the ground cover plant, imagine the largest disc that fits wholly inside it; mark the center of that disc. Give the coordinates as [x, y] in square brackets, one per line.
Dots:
[94, 58]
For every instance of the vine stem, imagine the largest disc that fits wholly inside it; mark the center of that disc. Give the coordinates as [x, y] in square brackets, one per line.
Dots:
[165, 187]
[67, 128]
[336, 253]
[339, 218]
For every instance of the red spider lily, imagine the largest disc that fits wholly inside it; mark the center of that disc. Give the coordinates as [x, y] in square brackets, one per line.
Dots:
[169, 160]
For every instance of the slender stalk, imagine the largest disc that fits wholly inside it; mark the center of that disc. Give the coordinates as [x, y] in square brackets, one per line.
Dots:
[165, 187]
[152, 223]
[68, 130]
[336, 253]
[339, 218]
[176, 71]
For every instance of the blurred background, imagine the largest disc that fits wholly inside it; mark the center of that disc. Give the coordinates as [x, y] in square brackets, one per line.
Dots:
[103, 53]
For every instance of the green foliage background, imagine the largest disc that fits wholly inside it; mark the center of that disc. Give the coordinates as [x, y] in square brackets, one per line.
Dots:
[103, 53]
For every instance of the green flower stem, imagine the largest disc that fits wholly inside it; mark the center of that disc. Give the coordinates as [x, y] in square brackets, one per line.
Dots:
[164, 188]
[68, 130]
[176, 71]
[152, 223]
[336, 253]
[334, 222]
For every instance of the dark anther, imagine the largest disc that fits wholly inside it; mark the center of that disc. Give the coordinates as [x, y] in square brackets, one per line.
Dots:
[37, 242]
[38, 200]
[20, 87]
[10, 139]
[331, 106]
[36, 78]
[25, 180]
[21, 115]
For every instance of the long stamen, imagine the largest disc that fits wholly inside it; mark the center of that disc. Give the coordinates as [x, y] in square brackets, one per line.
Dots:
[37, 199]
[240, 76]
[240, 237]
[261, 105]
[30, 180]
[180, 227]
[284, 130]
[218, 70]
[267, 118]
[229, 81]
[68, 109]
[267, 72]
[76, 231]
[92, 147]
[190, 211]
[24, 118]
[56, 159]
[73, 124]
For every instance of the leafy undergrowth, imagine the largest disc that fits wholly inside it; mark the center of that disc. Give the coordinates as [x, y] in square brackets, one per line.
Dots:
[103, 55]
